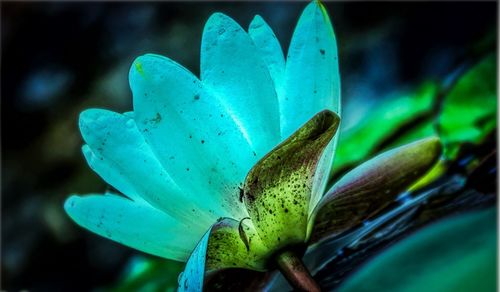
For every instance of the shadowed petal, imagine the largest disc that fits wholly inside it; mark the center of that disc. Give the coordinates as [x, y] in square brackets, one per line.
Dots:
[312, 81]
[133, 224]
[192, 134]
[370, 187]
[232, 66]
[270, 50]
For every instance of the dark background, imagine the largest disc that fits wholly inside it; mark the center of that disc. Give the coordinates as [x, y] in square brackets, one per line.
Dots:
[60, 58]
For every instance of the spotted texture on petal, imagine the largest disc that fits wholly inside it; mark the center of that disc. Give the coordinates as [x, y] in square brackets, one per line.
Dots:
[370, 187]
[232, 66]
[277, 190]
[234, 244]
[312, 81]
[223, 247]
[270, 50]
[192, 133]
[133, 224]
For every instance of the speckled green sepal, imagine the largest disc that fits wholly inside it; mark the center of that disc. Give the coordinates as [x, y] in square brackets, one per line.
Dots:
[235, 244]
[278, 188]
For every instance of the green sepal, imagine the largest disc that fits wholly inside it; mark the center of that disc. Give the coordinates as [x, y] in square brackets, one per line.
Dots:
[223, 247]
[370, 187]
[279, 188]
[235, 244]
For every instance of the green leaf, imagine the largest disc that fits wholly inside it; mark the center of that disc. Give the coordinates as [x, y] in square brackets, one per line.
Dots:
[456, 254]
[279, 188]
[469, 110]
[384, 120]
[149, 274]
[370, 187]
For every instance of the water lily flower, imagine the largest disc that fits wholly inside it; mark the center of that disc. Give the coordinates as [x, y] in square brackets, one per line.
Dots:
[244, 151]
[181, 157]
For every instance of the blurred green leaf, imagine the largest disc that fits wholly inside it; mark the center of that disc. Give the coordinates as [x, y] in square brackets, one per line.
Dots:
[420, 130]
[469, 110]
[149, 274]
[456, 254]
[384, 120]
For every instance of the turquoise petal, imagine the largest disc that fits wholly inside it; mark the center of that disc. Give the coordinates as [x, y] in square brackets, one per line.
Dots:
[233, 67]
[133, 224]
[108, 172]
[270, 50]
[312, 81]
[194, 273]
[194, 136]
[118, 152]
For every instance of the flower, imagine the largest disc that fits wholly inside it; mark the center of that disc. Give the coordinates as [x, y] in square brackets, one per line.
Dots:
[244, 152]
[181, 157]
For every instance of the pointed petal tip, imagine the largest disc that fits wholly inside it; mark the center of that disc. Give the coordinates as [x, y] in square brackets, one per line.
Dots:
[217, 26]
[218, 16]
[317, 4]
[314, 9]
[218, 20]
[432, 140]
[256, 22]
[431, 145]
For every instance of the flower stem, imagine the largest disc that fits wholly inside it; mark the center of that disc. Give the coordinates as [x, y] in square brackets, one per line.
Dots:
[295, 272]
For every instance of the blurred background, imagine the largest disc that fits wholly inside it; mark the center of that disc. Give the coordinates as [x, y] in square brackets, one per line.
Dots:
[59, 58]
